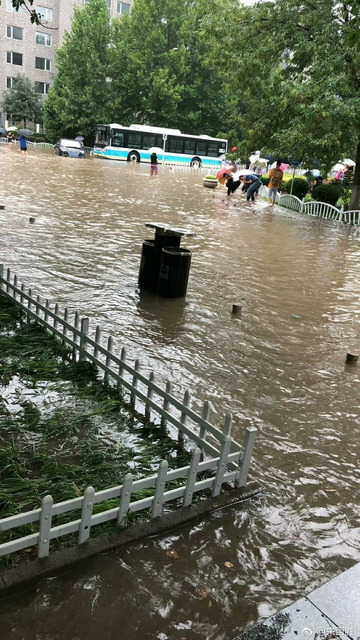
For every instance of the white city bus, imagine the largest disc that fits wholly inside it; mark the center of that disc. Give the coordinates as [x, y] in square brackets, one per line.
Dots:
[137, 142]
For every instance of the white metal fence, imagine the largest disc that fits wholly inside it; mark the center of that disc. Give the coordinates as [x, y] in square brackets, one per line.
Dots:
[314, 208]
[229, 460]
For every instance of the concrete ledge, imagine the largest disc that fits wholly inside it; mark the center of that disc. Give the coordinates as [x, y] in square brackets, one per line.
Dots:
[21, 576]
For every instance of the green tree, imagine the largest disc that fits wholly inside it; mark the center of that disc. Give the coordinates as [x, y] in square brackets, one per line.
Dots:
[302, 81]
[22, 102]
[77, 100]
[27, 6]
[166, 67]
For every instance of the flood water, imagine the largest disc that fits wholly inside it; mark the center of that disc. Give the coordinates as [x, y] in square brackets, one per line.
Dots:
[280, 367]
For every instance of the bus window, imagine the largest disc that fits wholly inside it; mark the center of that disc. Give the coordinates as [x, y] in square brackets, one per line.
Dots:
[148, 141]
[176, 145]
[189, 146]
[201, 147]
[159, 142]
[213, 149]
[134, 140]
[118, 139]
[102, 136]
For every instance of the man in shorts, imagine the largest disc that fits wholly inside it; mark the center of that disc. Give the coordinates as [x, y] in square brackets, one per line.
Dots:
[276, 175]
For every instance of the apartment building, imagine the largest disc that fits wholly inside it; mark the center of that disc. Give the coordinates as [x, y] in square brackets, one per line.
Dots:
[29, 49]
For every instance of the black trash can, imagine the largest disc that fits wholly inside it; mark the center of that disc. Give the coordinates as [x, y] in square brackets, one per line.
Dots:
[149, 269]
[174, 272]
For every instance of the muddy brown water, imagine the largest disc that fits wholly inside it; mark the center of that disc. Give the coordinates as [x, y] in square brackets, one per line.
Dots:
[280, 367]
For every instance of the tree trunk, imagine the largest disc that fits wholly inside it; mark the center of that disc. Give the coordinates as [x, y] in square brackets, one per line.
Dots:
[355, 193]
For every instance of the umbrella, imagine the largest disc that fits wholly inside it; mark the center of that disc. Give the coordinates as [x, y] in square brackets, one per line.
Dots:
[245, 172]
[25, 132]
[223, 174]
[337, 167]
[2, 131]
[283, 166]
[79, 138]
[261, 163]
[11, 129]
[254, 157]
[349, 162]
[157, 150]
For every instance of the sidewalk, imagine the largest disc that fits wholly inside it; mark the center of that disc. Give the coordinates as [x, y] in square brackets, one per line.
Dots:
[331, 611]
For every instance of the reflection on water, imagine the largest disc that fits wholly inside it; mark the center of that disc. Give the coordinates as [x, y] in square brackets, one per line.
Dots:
[279, 367]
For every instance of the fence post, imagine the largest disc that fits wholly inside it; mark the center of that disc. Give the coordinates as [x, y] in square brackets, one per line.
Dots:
[1, 276]
[191, 479]
[125, 497]
[45, 527]
[221, 468]
[228, 424]
[47, 305]
[86, 513]
[183, 418]
[159, 489]
[168, 390]
[149, 396]
[248, 446]
[97, 340]
[84, 328]
[135, 380]
[66, 319]
[121, 368]
[109, 349]
[7, 280]
[205, 415]
[75, 336]
[15, 285]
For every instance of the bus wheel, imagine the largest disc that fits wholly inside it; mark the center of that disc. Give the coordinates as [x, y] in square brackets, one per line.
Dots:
[133, 157]
[195, 162]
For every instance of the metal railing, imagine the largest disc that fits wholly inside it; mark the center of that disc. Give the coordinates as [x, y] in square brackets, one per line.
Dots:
[315, 208]
[229, 460]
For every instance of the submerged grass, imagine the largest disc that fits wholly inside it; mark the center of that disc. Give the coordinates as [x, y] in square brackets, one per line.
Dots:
[61, 428]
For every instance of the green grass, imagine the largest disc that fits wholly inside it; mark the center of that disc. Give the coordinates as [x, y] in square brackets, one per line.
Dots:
[61, 428]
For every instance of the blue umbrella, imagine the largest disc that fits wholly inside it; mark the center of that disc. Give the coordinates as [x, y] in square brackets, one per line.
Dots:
[25, 132]
[79, 138]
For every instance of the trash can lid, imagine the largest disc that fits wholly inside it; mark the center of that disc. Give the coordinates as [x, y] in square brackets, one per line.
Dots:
[167, 230]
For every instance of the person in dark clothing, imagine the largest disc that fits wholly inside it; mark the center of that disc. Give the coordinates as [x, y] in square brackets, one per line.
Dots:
[153, 164]
[233, 183]
[23, 145]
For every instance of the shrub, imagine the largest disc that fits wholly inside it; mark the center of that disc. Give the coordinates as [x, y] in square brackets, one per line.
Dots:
[300, 187]
[265, 180]
[209, 178]
[329, 193]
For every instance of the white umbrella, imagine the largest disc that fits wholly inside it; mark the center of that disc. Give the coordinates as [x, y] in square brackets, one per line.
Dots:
[337, 167]
[254, 157]
[349, 162]
[11, 129]
[261, 163]
[156, 150]
[245, 172]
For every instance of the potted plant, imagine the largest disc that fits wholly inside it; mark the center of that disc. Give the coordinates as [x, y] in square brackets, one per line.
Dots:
[210, 181]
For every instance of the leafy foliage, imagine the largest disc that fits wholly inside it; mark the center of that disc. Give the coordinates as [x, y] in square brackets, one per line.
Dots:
[304, 98]
[22, 101]
[77, 100]
[166, 65]
[300, 187]
[329, 193]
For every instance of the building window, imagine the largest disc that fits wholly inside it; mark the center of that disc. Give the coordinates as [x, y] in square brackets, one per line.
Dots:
[43, 63]
[122, 8]
[14, 32]
[43, 38]
[44, 13]
[14, 58]
[9, 7]
[109, 4]
[42, 87]
[10, 82]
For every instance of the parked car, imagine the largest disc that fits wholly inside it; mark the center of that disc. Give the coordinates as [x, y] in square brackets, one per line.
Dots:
[71, 148]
